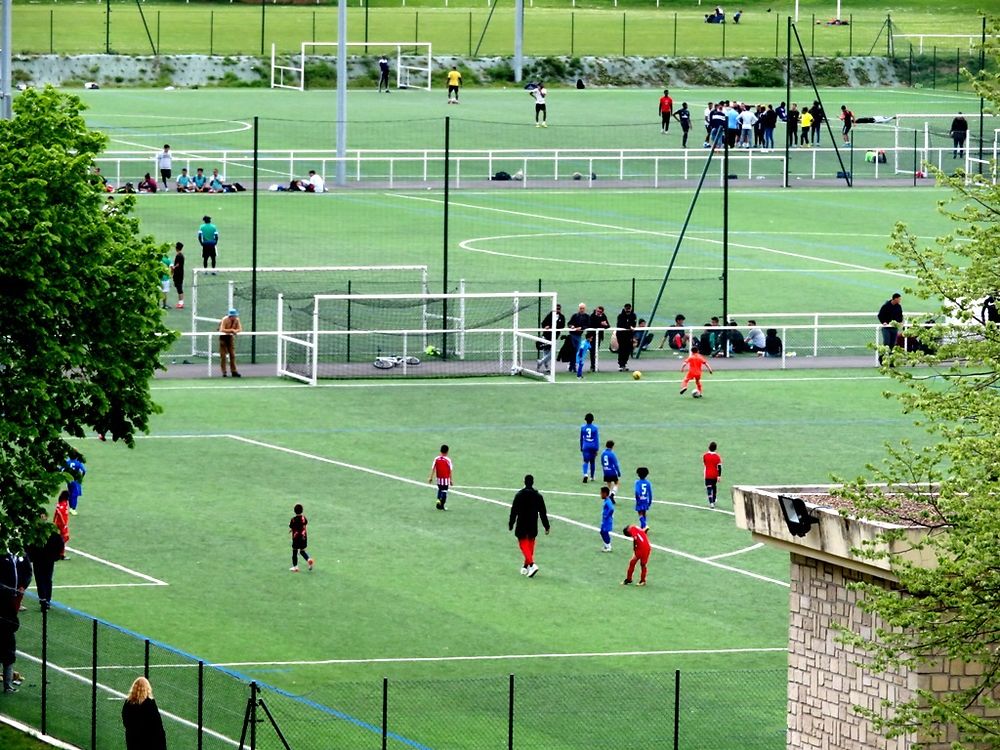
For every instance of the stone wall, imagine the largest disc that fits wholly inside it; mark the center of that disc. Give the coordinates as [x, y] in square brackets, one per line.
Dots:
[824, 681]
[240, 70]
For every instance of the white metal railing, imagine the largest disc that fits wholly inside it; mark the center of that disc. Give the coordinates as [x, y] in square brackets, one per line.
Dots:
[973, 39]
[592, 167]
[843, 343]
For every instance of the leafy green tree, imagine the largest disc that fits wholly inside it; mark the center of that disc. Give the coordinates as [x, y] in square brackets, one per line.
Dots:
[951, 609]
[80, 325]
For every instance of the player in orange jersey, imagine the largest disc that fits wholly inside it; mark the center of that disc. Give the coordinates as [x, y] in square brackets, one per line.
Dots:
[694, 364]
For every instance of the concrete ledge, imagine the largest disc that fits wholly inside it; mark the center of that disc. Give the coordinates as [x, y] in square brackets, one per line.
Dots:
[835, 539]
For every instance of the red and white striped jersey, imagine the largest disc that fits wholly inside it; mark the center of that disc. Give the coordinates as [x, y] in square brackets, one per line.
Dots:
[441, 468]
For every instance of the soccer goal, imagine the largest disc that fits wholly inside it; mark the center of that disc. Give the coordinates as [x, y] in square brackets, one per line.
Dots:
[422, 335]
[215, 291]
[412, 68]
[934, 143]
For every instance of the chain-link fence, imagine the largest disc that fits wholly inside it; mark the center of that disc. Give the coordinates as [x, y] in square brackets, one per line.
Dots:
[77, 671]
[609, 28]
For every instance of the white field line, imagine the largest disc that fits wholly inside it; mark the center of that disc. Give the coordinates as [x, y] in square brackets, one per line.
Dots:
[152, 581]
[594, 496]
[568, 521]
[751, 548]
[117, 694]
[631, 230]
[470, 245]
[501, 383]
[478, 657]
[32, 732]
[104, 585]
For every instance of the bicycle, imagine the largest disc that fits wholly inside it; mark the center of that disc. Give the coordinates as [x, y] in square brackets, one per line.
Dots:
[384, 362]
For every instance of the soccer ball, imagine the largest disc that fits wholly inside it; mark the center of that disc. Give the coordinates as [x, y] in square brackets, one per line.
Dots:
[696, 394]
[636, 375]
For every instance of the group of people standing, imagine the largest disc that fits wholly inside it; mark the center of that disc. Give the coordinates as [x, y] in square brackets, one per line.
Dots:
[585, 331]
[742, 125]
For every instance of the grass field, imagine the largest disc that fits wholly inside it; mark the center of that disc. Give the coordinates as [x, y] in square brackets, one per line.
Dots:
[633, 28]
[796, 250]
[433, 601]
[398, 581]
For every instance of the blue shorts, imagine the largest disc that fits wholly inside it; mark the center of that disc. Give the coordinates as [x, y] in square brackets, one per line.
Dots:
[589, 454]
[640, 507]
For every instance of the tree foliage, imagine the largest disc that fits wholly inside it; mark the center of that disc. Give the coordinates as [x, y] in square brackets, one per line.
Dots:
[949, 610]
[80, 324]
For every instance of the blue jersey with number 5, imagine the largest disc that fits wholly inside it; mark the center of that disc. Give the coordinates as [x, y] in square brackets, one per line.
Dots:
[643, 494]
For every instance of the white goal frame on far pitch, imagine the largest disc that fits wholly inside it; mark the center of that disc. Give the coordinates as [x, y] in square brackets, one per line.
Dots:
[414, 61]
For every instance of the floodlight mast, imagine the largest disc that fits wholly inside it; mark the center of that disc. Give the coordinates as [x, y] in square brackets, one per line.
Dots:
[6, 108]
[341, 177]
[518, 40]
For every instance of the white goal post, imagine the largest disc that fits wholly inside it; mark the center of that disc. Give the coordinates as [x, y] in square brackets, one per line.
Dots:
[414, 61]
[422, 335]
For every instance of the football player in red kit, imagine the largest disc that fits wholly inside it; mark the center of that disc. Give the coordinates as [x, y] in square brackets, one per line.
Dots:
[441, 470]
[640, 553]
[713, 473]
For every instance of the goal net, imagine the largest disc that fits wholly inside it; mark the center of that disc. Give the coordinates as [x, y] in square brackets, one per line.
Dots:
[421, 335]
[410, 66]
[928, 138]
[215, 291]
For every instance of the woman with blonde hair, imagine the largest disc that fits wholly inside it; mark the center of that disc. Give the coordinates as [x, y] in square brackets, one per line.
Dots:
[141, 717]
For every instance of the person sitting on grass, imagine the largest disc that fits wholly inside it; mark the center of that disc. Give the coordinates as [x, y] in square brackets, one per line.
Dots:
[147, 184]
[184, 183]
[772, 343]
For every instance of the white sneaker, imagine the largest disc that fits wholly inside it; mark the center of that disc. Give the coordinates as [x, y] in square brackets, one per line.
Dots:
[524, 570]
[532, 569]
[294, 569]
[607, 548]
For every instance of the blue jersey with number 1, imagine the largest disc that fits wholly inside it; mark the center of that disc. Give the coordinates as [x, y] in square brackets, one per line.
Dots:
[609, 463]
[643, 494]
[589, 438]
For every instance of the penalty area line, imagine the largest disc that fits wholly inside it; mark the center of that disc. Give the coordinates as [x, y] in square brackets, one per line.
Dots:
[152, 581]
[502, 504]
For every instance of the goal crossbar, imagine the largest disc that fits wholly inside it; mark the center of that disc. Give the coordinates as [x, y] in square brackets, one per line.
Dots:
[480, 334]
[414, 61]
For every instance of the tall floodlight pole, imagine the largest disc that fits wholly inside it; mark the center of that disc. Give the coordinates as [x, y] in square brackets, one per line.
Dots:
[518, 39]
[6, 110]
[341, 93]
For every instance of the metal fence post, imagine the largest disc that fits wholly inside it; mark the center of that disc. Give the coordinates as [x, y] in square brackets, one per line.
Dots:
[510, 714]
[45, 665]
[385, 712]
[201, 701]
[93, 685]
[253, 715]
[677, 708]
